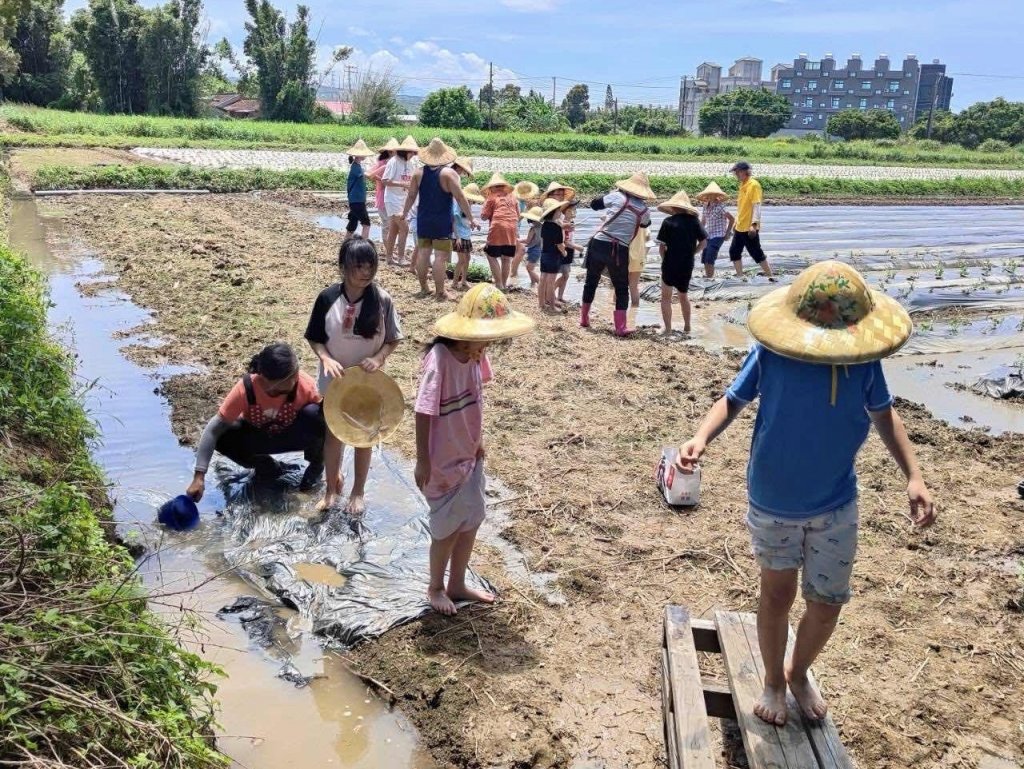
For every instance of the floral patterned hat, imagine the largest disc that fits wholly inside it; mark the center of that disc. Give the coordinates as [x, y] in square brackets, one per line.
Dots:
[483, 315]
[829, 315]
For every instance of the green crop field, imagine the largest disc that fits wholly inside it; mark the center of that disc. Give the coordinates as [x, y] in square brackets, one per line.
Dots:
[31, 126]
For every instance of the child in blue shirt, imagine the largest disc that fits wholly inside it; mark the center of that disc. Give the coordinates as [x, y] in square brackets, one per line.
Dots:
[355, 186]
[816, 368]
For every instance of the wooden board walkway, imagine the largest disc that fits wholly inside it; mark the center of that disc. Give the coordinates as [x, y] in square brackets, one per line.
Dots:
[689, 700]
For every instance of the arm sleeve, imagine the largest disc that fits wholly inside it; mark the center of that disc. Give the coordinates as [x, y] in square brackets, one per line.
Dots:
[488, 209]
[557, 233]
[215, 428]
[316, 329]
[485, 369]
[392, 324]
[598, 204]
[746, 386]
[233, 407]
[876, 390]
[645, 220]
[428, 398]
[664, 232]
[390, 172]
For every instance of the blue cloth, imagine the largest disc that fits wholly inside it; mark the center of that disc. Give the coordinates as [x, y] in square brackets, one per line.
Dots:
[355, 185]
[804, 446]
[434, 209]
[462, 230]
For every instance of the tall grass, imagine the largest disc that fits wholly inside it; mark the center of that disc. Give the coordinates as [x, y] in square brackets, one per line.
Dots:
[77, 127]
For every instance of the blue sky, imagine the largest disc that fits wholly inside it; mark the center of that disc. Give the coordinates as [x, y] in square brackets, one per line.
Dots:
[642, 48]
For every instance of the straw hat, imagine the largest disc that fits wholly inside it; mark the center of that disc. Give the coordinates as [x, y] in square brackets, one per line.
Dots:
[466, 164]
[497, 180]
[437, 153]
[359, 150]
[483, 315]
[678, 204]
[390, 146]
[551, 205]
[363, 409]
[829, 315]
[409, 145]
[472, 193]
[525, 190]
[712, 191]
[637, 185]
[534, 214]
[556, 186]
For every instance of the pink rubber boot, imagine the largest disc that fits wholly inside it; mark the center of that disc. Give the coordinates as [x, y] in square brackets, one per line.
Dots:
[620, 323]
[584, 316]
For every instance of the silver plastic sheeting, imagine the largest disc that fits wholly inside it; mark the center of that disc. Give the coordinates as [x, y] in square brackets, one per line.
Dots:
[1002, 382]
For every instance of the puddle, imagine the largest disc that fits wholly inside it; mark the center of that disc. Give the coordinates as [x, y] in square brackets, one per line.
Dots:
[265, 722]
[319, 574]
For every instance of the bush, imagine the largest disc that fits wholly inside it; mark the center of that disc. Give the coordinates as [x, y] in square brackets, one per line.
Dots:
[657, 125]
[745, 112]
[450, 108]
[994, 145]
[928, 144]
[886, 143]
[600, 125]
[863, 124]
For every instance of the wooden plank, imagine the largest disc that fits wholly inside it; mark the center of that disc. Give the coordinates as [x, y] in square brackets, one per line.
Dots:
[671, 742]
[689, 716]
[718, 699]
[767, 746]
[705, 635]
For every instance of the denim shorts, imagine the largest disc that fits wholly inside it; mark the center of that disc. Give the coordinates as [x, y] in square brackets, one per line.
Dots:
[711, 250]
[533, 254]
[824, 546]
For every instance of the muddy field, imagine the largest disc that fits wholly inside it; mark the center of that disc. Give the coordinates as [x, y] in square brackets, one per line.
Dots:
[926, 669]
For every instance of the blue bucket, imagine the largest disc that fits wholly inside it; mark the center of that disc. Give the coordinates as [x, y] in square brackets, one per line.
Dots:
[180, 513]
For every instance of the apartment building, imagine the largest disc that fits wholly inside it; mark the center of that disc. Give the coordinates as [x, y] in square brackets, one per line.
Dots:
[818, 89]
[936, 89]
[709, 81]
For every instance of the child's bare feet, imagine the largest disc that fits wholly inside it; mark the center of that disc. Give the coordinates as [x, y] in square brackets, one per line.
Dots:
[440, 602]
[356, 505]
[771, 708]
[329, 500]
[469, 594]
[807, 697]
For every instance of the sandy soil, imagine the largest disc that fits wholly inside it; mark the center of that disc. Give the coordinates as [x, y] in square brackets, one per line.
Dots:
[925, 670]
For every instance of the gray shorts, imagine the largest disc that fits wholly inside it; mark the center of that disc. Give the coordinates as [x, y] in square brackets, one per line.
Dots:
[824, 546]
[462, 508]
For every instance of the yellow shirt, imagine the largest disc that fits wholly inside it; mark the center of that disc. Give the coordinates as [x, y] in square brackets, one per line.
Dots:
[749, 197]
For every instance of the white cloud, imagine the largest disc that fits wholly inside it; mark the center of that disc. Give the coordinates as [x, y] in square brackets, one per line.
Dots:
[531, 6]
[359, 32]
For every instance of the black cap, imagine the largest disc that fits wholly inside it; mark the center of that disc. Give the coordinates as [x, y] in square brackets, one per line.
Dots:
[742, 165]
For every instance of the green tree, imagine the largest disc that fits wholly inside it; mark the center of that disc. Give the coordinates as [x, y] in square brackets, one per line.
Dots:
[109, 34]
[660, 122]
[996, 119]
[44, 54]
[450, 108]
[943, 122]
[863, 124]
[745, 112]
[576, 104]
[609, 99]
[10, 12]
[375, 99]
[173, 55]
[531, 113]
[81, 92]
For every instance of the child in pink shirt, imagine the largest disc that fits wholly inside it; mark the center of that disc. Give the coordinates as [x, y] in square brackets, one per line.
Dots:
[449, 436]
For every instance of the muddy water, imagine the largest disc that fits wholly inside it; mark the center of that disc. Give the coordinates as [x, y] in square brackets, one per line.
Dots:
[266, 722]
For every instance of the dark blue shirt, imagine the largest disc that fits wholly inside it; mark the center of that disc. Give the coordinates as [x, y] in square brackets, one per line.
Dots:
[805, 440]
[356, 183]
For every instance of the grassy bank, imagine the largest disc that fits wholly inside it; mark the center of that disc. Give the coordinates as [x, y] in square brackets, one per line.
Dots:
[42, 127]
[228, 180]
[88, 676]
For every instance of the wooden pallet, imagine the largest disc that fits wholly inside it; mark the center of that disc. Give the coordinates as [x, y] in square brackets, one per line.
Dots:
[689, 699]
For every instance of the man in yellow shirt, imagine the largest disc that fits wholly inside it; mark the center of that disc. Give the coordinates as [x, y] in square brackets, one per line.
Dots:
[748, 221]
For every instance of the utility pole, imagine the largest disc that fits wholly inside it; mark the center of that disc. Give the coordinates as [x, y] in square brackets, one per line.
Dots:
[616, 114]
[490, 99]
[935, 98]
[682, 102]
[349, 70]
[554, 87]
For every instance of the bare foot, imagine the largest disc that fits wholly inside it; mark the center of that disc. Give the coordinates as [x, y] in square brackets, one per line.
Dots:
[469, 594]
[423, 293]
[445, 297]
[356, 505]
[329, 500]
[807, 697]
[771, 708]
[441, 603]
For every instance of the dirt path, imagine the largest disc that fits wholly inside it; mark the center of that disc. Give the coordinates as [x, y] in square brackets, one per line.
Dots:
[926, 669]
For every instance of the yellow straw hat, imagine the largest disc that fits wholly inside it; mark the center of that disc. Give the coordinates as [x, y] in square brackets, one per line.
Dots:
[483, 315]
[409, 145]
[525, 190]
[437, 153]
[466, 164]
[390, 145]
[534, 214]
[551, 205]
[678, 204]
[359, 150]
[363, 409]
[712, 191]
[472, 193]
[637, 185]
[829, 315]
[497, 180]
[556, 186]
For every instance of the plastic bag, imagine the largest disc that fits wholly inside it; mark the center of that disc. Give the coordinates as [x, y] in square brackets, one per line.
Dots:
[679, 489]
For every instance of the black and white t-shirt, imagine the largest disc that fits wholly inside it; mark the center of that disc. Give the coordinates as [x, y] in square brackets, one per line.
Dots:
[332, 324]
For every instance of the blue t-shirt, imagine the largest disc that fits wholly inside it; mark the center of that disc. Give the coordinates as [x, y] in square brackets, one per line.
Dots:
[356, 183]
[804, 445]
[462, 230]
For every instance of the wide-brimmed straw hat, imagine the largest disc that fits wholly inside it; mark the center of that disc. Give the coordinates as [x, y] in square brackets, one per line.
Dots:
[551, 205]
[359, 150]
[472, 193]
[679, 203]
[637, 185]
[829, 315]
[409, 145]
[391, 145]
[483, 315]
[496, 180]
[526, 190]
[466, 164]
[437, 153]
[362, 409]
[534, 214]
[556, 186]
[712, 191]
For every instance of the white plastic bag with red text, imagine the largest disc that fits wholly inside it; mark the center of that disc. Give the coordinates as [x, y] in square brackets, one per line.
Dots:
[679, 489]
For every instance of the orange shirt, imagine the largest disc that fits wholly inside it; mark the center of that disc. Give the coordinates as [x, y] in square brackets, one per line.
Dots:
[502, 211]
[236, 406]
